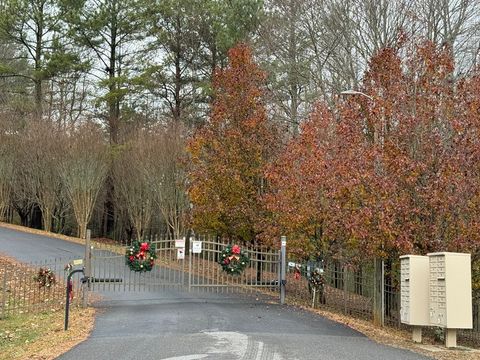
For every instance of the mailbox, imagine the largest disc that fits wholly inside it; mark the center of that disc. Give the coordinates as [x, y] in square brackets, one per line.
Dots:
[414, 271]
[450, 290]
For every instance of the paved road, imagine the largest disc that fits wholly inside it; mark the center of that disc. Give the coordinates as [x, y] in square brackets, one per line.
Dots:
[173, 325]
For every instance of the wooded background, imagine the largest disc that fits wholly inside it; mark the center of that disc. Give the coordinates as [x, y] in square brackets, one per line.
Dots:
[134, 117]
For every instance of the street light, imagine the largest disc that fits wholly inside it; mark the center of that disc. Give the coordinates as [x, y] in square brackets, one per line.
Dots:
[354, 92]
[378, 262]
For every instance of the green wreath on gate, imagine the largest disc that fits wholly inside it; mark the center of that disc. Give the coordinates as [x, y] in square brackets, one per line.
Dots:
[140, 256]
[233, 260]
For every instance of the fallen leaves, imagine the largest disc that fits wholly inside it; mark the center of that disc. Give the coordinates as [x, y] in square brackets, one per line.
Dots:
[399, 338]
[41, 336]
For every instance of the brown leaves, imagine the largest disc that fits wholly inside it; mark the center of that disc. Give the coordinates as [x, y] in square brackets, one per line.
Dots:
[230, 152]
[390, 175]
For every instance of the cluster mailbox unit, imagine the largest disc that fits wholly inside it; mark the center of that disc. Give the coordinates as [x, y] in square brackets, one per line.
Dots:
[436, 290]
[450, 293]
[414, 293]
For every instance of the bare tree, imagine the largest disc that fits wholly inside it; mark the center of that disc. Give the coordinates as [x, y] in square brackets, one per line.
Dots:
[40, 149]
[83, 169]
[165, 173]
[285, 51]
[6, 173]
[131, 186]
[455, 23]
[317, 48]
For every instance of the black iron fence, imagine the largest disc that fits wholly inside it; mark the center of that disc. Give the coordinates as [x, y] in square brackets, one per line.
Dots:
[351, 291]
[34, 287]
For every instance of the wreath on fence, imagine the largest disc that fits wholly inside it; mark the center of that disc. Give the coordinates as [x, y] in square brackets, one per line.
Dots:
[45, 278]
[317, 279]
[140, 256]
[233, 260]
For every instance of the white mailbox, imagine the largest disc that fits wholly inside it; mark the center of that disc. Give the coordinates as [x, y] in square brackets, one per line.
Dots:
[414, 290]
[450, 290]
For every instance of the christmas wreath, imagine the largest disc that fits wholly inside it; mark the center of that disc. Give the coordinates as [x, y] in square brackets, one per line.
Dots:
[45, 278]
[317, 280]
[140, 256]
[233, 260]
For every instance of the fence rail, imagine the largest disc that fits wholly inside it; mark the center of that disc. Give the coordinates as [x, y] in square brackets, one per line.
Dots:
[352, 291]
[192, 271]
[21, 293]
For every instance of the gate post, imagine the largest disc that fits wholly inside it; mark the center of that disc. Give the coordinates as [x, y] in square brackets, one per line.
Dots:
[88, 267]
[379, 292]
[190, 253]
[68, 290]
[283, 272]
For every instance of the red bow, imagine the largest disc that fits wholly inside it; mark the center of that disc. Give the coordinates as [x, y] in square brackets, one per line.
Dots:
[236, 249]
[144, 246]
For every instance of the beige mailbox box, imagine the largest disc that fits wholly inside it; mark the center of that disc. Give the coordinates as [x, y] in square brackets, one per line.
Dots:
[414, 280]
[450, 293]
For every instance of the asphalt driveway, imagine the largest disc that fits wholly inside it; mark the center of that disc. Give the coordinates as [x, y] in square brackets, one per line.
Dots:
[177, 325]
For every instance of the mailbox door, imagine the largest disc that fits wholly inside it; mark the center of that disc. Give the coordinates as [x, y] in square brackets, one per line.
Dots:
[405, 290]
[437, 291]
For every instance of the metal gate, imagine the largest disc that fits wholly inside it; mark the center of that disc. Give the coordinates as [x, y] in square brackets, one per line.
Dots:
[110, 273]
[205, 273]
[189, 268]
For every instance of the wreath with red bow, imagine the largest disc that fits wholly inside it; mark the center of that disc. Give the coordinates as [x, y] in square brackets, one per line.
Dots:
[140, 256]
[45, 278]
[233, 260]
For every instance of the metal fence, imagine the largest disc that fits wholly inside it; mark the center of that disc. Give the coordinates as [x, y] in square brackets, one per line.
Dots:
[351, 291]
[21, 292]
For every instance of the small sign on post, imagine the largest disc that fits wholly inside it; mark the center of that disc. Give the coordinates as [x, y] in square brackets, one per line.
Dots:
[180, 253]
[180, 243]
[196, 247]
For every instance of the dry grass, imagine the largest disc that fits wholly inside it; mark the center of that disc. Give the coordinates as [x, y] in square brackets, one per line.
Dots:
[41, 336]
[20, 293]
[33, 325]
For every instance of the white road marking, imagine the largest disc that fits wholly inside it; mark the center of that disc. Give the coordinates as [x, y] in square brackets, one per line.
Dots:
[188, 357]
[259, 351]
[228, 342]
[237, 344]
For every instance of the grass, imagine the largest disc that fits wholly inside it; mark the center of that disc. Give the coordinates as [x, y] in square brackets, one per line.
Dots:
[41, 336]
[32, 318]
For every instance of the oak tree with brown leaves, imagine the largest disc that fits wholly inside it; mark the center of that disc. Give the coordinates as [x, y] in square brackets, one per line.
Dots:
[230, 152]
[396, 172]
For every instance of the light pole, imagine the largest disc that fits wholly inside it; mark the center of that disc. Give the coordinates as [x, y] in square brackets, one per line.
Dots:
[354, 92]
[379, 263]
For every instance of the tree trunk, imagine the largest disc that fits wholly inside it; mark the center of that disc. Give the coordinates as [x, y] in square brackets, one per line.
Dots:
[113, 123]
[114, 101]
[82, 229]
[293, 71]
[38, 63]
[47, 219]
[36, 221]
[178, 75]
